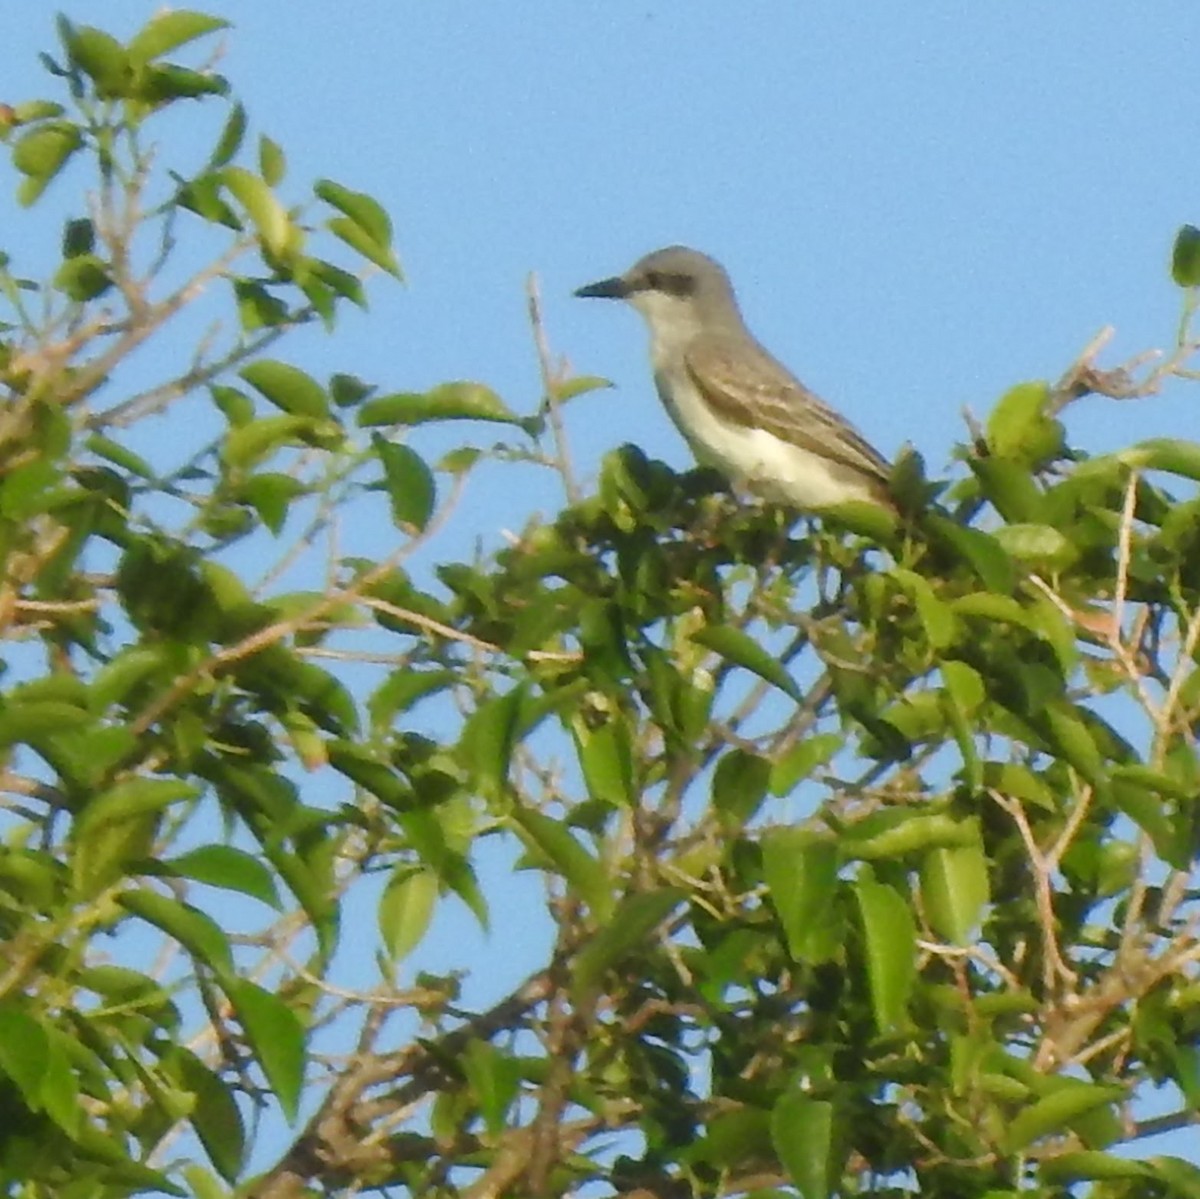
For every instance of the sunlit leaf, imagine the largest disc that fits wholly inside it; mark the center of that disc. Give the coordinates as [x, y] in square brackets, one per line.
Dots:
[801, 870]
[450, 401]
[890, 935]
[287, 387]
[632, 925]
[741, 649]
[168, 30]
[197, 932]
[269, 216]
[802, 1131]
[406, 909]
[410, 485]
[275, 1037]
[215, 1117]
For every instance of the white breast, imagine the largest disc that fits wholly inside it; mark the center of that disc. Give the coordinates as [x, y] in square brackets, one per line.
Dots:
[769, 466]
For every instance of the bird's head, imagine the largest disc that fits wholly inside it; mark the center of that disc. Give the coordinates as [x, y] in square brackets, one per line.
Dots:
[671, 287]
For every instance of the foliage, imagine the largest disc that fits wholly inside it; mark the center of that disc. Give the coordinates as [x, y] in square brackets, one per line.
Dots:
[868, 870]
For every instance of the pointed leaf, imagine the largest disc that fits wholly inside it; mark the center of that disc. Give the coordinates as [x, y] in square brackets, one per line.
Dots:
[363, 210]
[198, 933]
[409, 481]
[230, 868]
[741, 649]
[1185, 257]
[584, 873]
[450, 401]
[633, 922]
[166, 31]
[891, 941]
[276, 1038]
[1054, 1113]
[406, 910]
[954, 888]
[215, 1116]
[358, 239]
[802, 1131]
[263, 208]
[287, 387]
[800, 869]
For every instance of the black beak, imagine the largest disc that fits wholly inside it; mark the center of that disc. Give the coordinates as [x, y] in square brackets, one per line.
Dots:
[606, 289]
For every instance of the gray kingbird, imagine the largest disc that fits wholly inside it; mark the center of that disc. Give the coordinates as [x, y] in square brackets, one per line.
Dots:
[738, 408]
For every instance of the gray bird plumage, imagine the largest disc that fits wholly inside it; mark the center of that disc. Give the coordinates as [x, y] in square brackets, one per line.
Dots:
[738, 407]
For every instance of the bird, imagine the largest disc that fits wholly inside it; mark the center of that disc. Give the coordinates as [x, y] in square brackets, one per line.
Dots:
[740, 409]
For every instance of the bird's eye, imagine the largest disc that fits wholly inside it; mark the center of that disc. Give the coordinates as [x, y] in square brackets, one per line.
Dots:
[655, 280]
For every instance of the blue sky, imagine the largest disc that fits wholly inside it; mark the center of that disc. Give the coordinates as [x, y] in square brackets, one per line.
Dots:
[920, 205]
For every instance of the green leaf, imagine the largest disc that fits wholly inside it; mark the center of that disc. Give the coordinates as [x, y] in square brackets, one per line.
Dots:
[494, 1078]
[229, 868]
[406, 909]
[235, 405]
[117, 829]
[450, 401]
[258, 307]
[1055, 1112]
[41, 153]
[287, 387]
[739, 786]
[1017, 420]
[121, 456]
[410, 485]
[1040, 545]
[166, 31]
[1185, 257]
[272, 162]
[579, 385]
[270, 217]
[362, 209]
[1065, 1168]
[800, 868]
[486, 745]
[937, 619]
[1073, 741]
[604, 746]
[980, 551]
[248, 444]
[231, 137]
[276, 1038]
[348, 390]
[354, 236]
[581, 870]
[802, 759]
[802, 1132]
[890, 936]
[133, 797]
[24, 1053]
[215, 1116]
[1165, 453]
[741, 649]
[199, 934]
[1010, 486]
[162, 85]
[633, 921]
[954, 889]
[893, 833]
[79, 237]
[270, 494]
[27, 721]
[101, 57]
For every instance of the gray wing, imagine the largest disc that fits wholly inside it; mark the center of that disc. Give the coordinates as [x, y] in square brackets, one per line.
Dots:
[752, 389]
